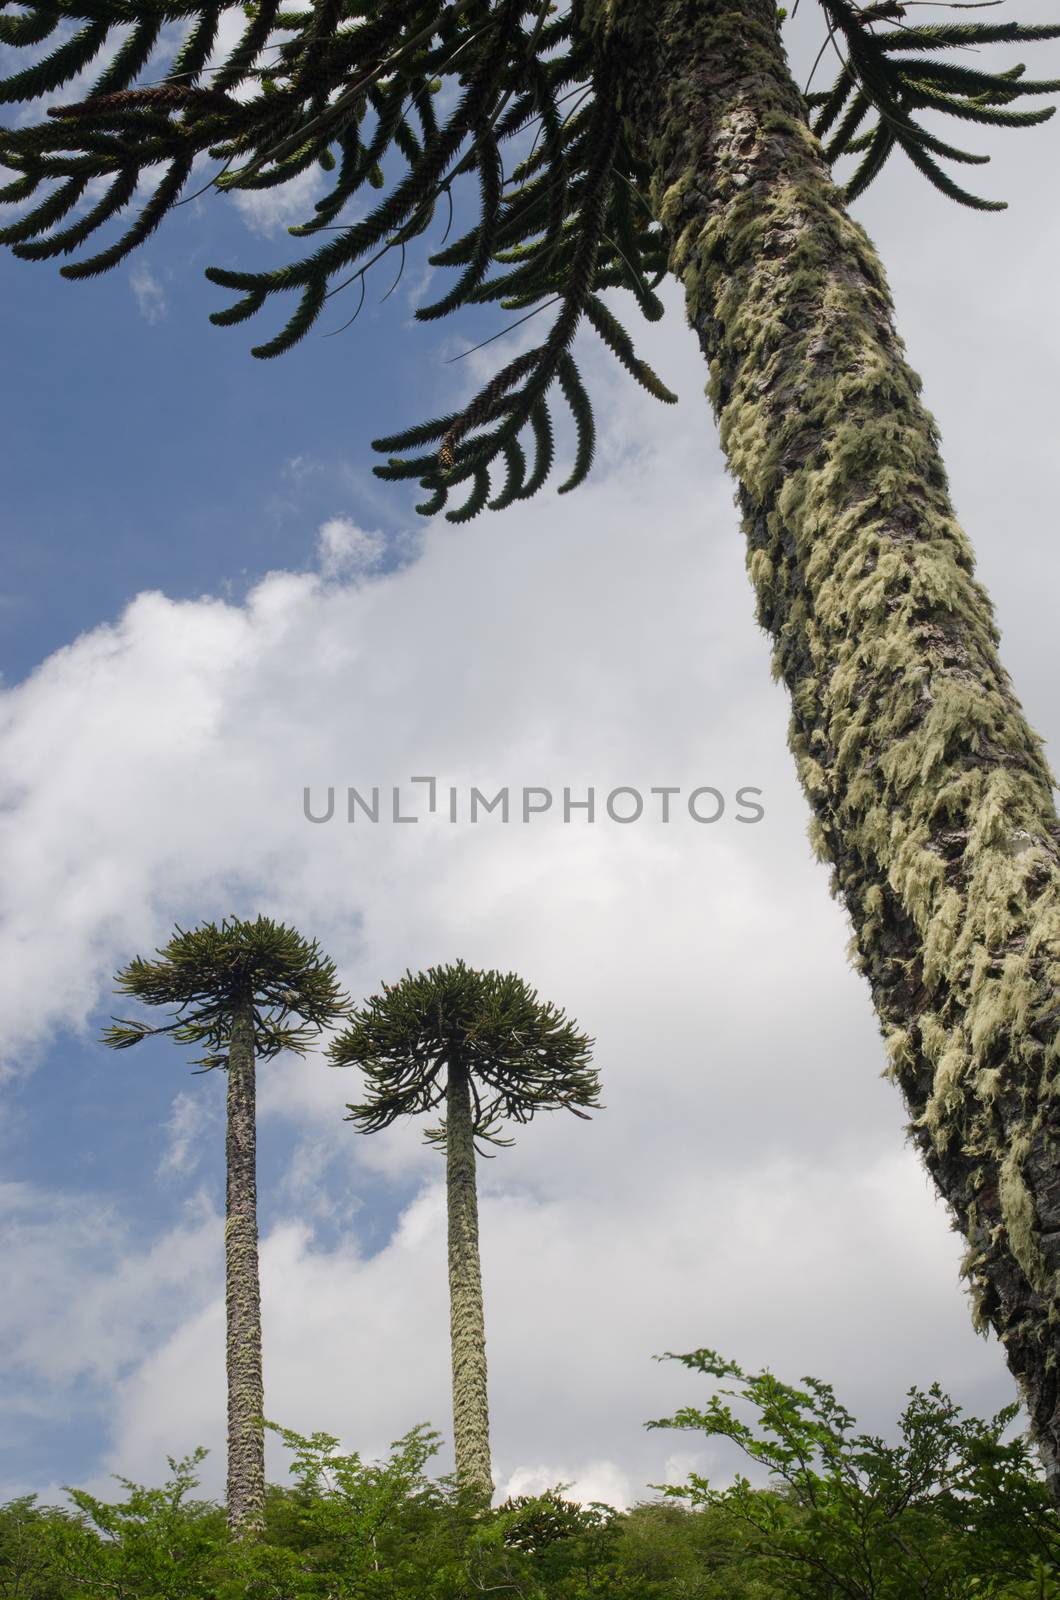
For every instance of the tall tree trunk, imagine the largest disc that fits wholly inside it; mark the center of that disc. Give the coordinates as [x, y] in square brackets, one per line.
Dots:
[246, 1435]
[931, 798]
[467, 1329]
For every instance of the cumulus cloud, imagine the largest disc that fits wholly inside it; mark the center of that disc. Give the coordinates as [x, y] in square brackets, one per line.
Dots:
[347, 551]
[157, 764]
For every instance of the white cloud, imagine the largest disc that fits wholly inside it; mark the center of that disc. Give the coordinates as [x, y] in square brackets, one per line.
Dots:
[347, 551]
[157, 764]
[150, 296]
[90, 1297]
[271, 211]
[597, 1480]
[184, 1130]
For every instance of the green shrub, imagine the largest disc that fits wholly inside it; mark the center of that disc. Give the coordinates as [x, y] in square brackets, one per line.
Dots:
[952, 1511]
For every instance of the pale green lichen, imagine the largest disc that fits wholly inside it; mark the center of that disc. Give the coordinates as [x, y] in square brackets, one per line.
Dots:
[900, 1057]
[1020, 1219]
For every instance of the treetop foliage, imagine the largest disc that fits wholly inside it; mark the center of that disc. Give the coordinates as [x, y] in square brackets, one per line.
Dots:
[489, 1024]
[406, 98]
[209, 972]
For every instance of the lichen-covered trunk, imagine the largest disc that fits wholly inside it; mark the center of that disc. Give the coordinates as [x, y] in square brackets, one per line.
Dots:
[467, 1329]
[930, 795]
[246, 1436]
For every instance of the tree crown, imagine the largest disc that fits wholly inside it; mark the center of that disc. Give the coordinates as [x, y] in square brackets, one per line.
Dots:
[530, 116]
[209, 972]
[521, 1050]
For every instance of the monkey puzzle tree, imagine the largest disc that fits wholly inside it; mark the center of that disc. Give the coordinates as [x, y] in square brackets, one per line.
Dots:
[236, 989]
[671, 138]
[504, 1054]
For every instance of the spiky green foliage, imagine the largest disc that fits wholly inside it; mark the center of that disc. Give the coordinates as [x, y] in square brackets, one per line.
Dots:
[879, 82]
[521, 1054]
[209, 971]
[532, 123]
[537, 1520]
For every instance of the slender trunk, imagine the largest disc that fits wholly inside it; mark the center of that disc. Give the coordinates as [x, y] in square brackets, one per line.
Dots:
[930, 795]
[467, 1329]
[246, 1435]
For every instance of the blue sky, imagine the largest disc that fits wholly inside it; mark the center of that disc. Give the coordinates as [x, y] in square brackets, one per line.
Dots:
[175, 437]
[208, 603]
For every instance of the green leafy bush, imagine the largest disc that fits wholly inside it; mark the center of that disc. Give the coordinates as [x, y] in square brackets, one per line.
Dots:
[953, 1510]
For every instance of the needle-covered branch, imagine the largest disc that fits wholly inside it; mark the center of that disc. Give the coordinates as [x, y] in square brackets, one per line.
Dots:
[559, 196]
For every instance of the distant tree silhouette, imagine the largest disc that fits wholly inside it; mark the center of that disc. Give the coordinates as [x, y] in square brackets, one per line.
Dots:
[482, 1043]
[236, 988]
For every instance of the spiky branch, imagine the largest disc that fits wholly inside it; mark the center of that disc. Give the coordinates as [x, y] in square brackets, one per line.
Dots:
[350, 85]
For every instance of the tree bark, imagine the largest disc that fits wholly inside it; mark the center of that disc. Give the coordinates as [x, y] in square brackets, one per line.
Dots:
[246, 1401]
[930, 795]
[467, 1329]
